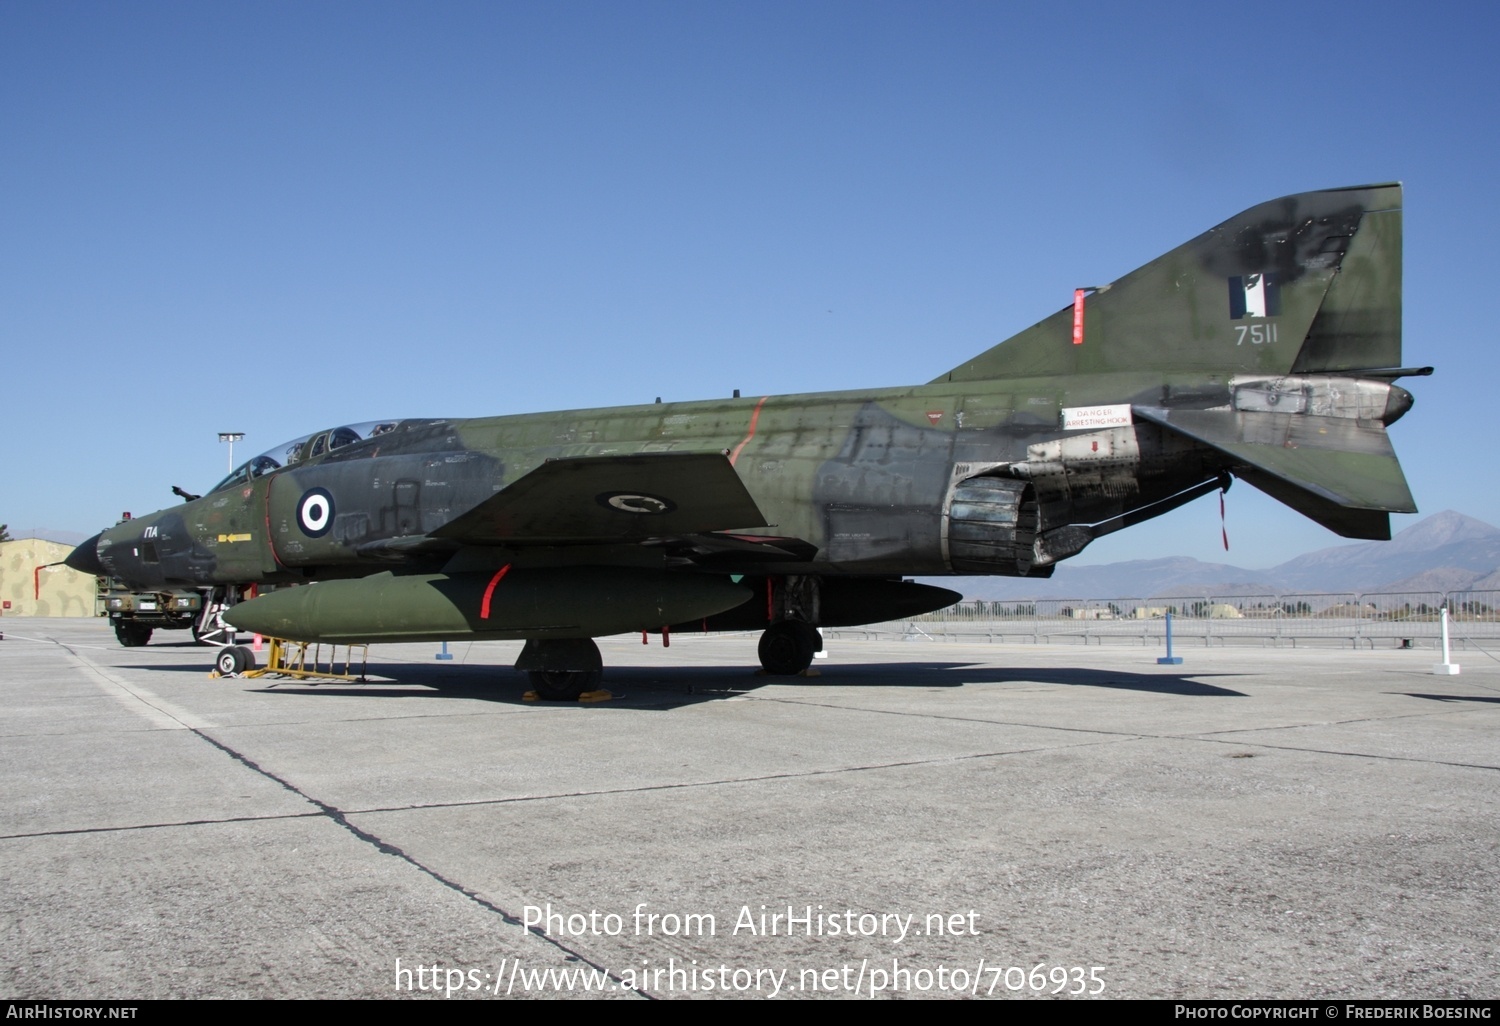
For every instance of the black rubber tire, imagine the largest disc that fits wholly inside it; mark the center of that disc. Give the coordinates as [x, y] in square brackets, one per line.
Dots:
[786, 648]
[565, 685]
[132, 635]
[230, 661]
[248, 655]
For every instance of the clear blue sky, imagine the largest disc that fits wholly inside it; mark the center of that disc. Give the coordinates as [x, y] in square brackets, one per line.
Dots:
[274, 217]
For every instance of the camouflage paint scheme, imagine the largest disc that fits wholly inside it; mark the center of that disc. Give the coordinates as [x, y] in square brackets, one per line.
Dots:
[1266, 349]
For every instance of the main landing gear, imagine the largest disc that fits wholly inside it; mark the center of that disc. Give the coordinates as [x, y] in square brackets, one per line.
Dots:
[565, 669]
[793, 604]
[562, 669]
[788, 646]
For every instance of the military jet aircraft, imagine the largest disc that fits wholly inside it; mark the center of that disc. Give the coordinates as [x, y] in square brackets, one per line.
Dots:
[1266, 348]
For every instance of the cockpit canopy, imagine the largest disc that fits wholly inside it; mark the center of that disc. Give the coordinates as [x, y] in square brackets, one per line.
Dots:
[308, 447]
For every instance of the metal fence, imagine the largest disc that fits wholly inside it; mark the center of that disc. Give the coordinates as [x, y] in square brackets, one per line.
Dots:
[1350, 619]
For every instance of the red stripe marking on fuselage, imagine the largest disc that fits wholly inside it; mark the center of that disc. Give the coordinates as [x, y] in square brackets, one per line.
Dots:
[270, 541]
[484, 607]
[754, 418]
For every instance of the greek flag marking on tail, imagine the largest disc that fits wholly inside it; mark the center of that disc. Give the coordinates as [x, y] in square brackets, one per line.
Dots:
[1254, 295]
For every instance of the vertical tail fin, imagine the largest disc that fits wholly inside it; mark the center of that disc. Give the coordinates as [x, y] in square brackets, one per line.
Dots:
[1305, 284]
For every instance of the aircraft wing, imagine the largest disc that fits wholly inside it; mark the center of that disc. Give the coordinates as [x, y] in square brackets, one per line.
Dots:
[612, 499]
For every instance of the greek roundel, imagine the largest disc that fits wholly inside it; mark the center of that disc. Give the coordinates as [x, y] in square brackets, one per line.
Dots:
[315, 512]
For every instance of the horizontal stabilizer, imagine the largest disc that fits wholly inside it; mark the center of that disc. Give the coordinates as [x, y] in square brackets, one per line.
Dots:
[612, 498]
[1338, 471]
[1365, 524]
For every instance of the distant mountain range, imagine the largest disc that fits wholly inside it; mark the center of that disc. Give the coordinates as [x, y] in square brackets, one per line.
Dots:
[1444, 552]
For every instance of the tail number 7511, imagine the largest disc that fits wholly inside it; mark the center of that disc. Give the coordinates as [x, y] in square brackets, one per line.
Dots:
[1255, 334]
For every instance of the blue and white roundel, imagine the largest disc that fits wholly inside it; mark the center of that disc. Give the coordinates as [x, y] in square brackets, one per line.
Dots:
[315, 512]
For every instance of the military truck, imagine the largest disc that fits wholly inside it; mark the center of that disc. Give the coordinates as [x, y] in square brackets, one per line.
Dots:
[135, 614]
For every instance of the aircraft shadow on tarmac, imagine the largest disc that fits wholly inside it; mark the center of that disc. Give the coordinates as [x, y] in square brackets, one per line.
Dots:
[668, 687]
[1493, 699]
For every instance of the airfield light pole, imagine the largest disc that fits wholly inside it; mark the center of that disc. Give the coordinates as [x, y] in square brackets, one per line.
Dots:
[231, 437]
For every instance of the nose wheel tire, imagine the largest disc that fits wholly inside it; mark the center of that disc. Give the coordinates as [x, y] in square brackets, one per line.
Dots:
[233, 660]
[787, 648]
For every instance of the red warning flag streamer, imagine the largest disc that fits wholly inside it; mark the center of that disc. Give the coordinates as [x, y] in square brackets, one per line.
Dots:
[1223, 525]
[1078, 317]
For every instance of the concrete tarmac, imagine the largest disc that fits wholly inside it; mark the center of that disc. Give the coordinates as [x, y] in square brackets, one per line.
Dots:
[923, 819]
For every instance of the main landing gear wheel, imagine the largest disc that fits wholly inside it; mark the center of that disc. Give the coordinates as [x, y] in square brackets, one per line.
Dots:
[233, 660]
[132, 635]
[562, 669]
[565, 685]
[787, 647]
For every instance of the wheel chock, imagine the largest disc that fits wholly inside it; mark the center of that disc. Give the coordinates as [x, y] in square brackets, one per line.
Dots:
[587, 698]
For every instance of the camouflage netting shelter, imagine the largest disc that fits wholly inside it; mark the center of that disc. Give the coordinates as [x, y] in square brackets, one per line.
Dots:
[63, 591]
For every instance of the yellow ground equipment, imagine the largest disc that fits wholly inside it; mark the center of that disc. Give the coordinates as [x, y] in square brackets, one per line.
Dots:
[297, 660]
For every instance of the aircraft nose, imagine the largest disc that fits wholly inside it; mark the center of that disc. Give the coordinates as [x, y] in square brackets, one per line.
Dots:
[85, 558]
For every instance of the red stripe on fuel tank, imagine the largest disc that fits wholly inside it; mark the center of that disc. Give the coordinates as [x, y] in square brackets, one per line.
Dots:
[484, 607]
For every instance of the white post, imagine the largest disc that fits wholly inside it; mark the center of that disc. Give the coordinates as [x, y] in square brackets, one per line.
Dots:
[1445, 668]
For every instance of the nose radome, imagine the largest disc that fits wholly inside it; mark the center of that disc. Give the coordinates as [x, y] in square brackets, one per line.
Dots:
[85, 558]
